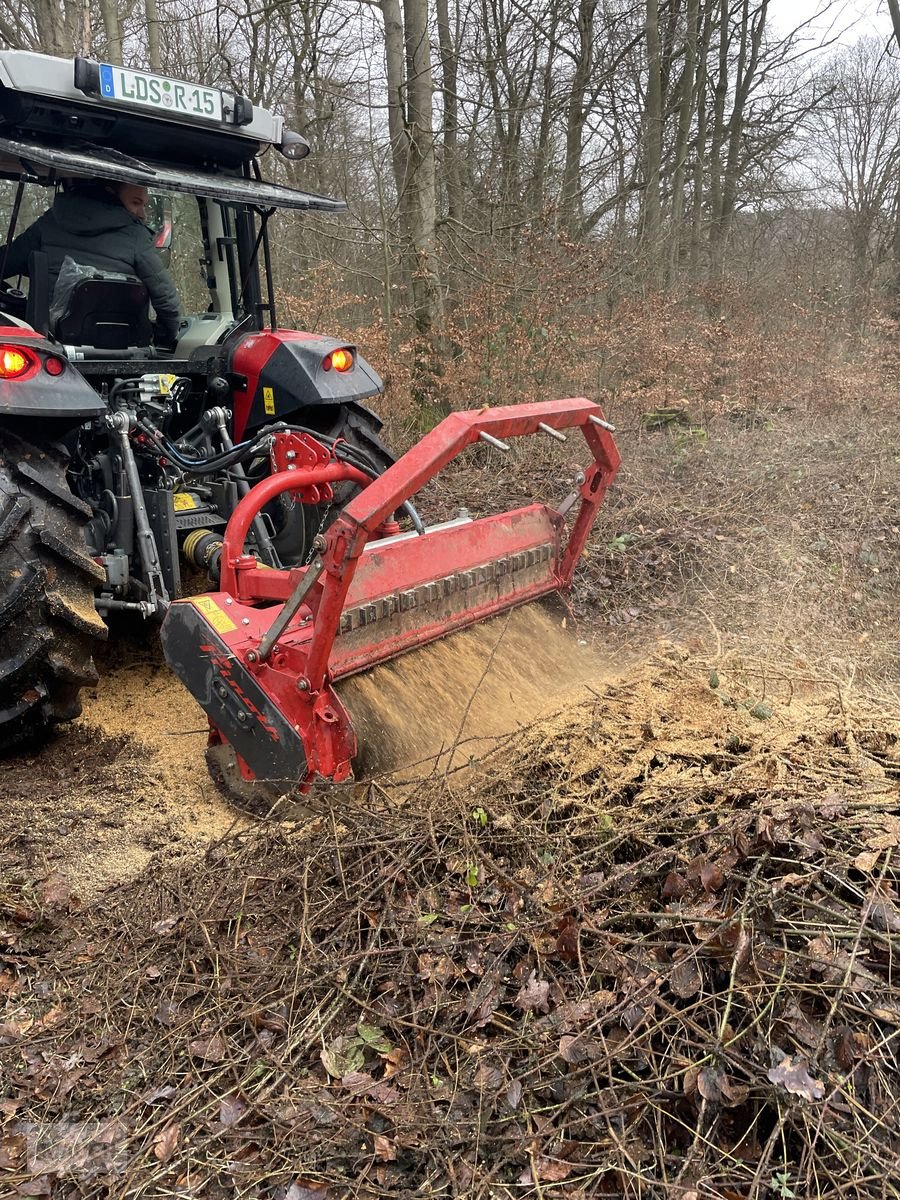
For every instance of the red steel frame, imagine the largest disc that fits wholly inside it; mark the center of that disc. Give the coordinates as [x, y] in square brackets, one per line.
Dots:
[298, 676]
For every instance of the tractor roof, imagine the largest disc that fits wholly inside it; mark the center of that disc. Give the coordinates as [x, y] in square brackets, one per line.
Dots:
[69, 118]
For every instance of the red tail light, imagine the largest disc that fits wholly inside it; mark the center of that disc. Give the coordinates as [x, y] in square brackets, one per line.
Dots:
[340, 360]
[18, 362]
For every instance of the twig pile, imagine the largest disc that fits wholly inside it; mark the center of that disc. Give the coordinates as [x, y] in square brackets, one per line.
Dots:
[647, 950]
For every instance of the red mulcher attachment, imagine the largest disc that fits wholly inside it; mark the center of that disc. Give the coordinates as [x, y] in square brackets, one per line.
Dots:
[262, 654]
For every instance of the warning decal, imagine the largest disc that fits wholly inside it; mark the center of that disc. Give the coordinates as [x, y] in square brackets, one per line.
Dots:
[217, 617]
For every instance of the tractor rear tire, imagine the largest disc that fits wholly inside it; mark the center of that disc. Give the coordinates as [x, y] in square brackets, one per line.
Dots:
[49, 627]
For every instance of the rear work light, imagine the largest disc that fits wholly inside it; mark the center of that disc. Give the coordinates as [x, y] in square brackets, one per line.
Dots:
[17, 362]
[340, 360]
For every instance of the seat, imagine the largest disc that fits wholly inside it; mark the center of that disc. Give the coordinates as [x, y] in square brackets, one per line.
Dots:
[108, 314]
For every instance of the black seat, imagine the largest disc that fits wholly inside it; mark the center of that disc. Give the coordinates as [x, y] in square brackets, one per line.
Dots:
[109, 314]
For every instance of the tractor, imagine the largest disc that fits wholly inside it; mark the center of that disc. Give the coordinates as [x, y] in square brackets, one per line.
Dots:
[244, 451]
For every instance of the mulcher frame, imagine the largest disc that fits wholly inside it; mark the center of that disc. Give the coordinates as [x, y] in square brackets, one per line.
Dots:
[368, 596]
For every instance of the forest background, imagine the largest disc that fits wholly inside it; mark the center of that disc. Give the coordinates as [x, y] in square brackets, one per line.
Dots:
[679, 198]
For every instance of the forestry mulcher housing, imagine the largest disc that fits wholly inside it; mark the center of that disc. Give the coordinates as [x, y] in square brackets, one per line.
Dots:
[244, 449]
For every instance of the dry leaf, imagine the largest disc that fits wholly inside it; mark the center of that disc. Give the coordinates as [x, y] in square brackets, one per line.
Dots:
[793, 1075]
[514, 1093]
[12, 1151]
[711, 877]
[395, 1061]
[384, 1148]
[674, 887]
[534, 995]
[549, 1170]
[55, 892]
[165, 926]
[567, 939]
[211, 1049]
[865, 861]
[231, 1109]
[685, 978]
[166, 1142]
[579, 1049]
[343, 1056]
[488, 1077]
[709, 1084]
[307, 1189]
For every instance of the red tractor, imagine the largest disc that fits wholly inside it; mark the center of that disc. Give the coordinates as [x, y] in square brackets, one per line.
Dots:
[243, 449]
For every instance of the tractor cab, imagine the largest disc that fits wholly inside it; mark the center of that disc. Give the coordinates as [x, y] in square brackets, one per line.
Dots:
[196, 149]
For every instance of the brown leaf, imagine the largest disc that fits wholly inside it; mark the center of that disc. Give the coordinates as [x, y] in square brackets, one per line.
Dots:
[11, 1030]
[579, 1049]
[733, 1093]
[567, 939]
[793, 1075]
[161, 928]
[674, 887]
[231, 1109]
[55, 892]
[395, 1060]
[866, 860]
[40, 1185]
[166, 1142]
[711, 877]
[685, 978]
[211, 1049]
[549, 1170]
[792, 880]
[488, 1077]
[514, 1093]
[884, 914]
[850, 1047]
[709, 1084]
[307, 1189]
[12, 1151]
[533, 995]
[384, 1148]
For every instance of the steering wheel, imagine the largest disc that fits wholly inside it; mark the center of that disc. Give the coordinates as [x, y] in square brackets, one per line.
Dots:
[12, 300]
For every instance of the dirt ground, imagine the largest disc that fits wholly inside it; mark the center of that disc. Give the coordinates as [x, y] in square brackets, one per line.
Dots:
[643, 947]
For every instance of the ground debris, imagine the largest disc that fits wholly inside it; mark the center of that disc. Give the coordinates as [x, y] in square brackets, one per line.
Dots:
[649, 966]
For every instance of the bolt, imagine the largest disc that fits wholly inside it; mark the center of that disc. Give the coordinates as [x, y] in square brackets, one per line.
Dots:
[245, 620]
[291, 455]
[292, 466]
[242, 717]
[302, 685]
[228, 600]
[252, 656]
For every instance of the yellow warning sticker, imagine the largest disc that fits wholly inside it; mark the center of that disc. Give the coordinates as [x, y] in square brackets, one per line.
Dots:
[269, 400]
[220, 620]
[182, 501]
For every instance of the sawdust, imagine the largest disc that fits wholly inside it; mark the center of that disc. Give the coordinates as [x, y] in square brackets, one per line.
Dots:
[453, 700]
[124, 786]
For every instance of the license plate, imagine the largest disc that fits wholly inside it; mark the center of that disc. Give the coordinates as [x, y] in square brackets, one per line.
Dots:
[171, 96]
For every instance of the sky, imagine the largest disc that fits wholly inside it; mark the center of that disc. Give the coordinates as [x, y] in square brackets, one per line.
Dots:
[843, 20]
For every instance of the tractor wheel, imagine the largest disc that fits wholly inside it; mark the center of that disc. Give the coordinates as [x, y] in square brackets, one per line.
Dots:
[48, 624]
[297, 524]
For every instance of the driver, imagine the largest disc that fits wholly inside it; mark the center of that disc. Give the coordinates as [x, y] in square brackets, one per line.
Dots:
[101, 225]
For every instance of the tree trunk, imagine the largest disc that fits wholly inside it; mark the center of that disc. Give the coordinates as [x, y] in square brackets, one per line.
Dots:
[653, 135]
[449, 85]
[682, 138]
[570, 199]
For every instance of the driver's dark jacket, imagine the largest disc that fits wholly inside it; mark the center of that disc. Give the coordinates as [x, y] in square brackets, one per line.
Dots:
[103, 235]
